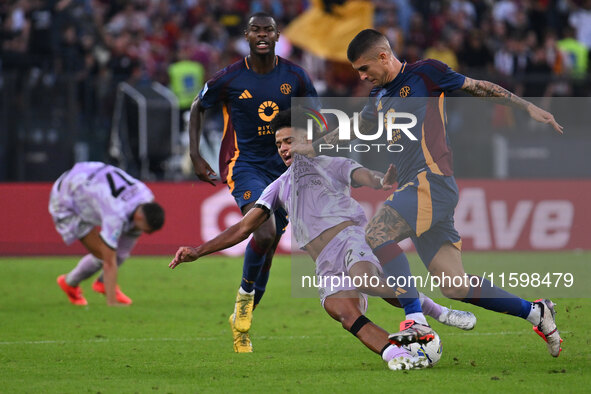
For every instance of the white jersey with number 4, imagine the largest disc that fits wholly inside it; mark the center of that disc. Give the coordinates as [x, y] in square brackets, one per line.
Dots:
[97, 194]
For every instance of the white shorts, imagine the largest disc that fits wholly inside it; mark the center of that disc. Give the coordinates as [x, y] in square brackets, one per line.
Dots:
[67, 223]
[338, 256]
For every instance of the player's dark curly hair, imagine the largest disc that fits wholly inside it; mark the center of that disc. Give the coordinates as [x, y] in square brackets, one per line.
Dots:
[281, 120]
[154, 214]
[365, 40]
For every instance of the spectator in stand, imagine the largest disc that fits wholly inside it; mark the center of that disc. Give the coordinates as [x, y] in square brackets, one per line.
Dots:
[575, 54]
[230, 14]
[417, 33]
[511, 59]
[538, 73]
[475, 55]
[389, 28]
[580, 20]
[186, 80]
[442, 52]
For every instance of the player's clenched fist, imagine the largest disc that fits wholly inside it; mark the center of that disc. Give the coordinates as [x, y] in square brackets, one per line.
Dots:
[183, 255]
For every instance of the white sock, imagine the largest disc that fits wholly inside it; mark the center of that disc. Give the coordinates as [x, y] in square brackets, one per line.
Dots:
[535, 314]
[243, 292]
[393, 351]
[418, 317]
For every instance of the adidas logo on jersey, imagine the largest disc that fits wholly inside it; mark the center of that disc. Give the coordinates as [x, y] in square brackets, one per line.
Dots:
[245, 95]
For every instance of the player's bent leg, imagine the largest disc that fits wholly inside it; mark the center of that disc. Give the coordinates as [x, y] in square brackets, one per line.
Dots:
[367, 279]
[260, 285]
[382, 234]
[479, 291]
[345, 307]
[86, 267]
[386, 225]
[254, 259]
[447, 265]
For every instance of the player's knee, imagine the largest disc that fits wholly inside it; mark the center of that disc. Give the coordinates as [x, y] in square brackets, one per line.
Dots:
[344, 315]
[264, 239]
[365, 277]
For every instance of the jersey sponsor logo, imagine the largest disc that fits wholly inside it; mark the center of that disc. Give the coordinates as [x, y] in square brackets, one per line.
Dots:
[247, 195]
[245, 95]
[268, 110]
[285, 88]
[405, 91]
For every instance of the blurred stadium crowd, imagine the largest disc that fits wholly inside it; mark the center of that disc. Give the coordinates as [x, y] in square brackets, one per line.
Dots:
[533, 47]
[141, 38]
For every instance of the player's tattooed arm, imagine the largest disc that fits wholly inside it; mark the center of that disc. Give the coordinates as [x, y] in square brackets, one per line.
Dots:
[386, 225]
[481, 88]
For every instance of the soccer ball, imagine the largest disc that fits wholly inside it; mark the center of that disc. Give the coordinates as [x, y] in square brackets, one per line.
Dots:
[431, 350]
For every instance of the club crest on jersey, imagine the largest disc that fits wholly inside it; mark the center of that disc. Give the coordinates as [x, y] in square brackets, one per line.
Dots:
[405, 91]
[247, 194]
[285, 88]
[268, 110]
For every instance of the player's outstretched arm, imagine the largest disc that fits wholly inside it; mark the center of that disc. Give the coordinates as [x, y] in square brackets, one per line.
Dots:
[201, 167]
[374, 179]
[481, 88]
[229, 237]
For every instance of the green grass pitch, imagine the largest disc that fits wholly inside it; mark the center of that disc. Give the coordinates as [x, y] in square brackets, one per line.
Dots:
[175, 338]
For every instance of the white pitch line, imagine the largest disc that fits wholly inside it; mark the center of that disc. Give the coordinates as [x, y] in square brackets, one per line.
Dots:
[104, 340]
[459, 333]
[272, 338]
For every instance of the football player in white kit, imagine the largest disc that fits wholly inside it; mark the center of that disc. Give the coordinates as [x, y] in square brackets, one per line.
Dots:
[93, 194]
[329, 225]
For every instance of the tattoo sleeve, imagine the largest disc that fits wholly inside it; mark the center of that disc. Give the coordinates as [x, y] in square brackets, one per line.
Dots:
[488, 89]
[386, 225]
